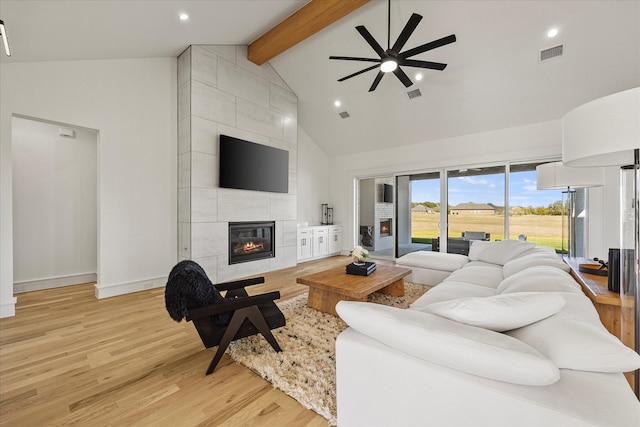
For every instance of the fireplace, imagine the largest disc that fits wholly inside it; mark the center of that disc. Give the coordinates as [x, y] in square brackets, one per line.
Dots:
[385, 227]
[250, 241]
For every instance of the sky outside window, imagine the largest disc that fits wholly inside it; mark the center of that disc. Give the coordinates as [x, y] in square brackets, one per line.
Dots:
[486, 189]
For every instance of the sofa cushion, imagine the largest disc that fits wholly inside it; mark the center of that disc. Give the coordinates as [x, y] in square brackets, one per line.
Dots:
[504, 251]
[489, 275]
[531, 260]
[574, 343]
[433, 260]
[447, 291]
[455, 345]
[542, 278]
[500, 312]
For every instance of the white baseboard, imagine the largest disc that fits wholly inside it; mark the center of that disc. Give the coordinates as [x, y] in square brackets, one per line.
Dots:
[8, 308]
[112, 290]
[53, 282]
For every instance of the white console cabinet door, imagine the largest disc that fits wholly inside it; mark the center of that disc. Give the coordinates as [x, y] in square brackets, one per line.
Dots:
[335, 239]
[305, 244]
[320, 241]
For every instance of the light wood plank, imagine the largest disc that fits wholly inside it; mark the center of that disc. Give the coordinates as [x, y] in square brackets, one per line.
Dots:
[67, 358]
[308, 20]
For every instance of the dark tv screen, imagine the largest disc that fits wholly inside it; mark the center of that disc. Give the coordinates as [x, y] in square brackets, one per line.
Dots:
[249, 166]
[388, 193]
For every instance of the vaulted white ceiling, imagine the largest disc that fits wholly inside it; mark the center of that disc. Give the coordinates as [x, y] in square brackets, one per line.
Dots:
[494, 77]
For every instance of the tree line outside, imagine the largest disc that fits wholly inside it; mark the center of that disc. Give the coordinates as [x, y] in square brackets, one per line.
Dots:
[555, 208]
[541, 225]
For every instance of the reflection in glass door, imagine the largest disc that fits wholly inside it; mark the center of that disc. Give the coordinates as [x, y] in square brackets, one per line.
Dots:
[417, 212]
[376, 219]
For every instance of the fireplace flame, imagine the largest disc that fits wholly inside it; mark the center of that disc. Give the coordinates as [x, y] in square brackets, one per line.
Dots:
[251, 247]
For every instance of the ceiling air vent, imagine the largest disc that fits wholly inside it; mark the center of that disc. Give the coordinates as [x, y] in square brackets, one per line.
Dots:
[344, 115]
[414, 93]
[552, 52]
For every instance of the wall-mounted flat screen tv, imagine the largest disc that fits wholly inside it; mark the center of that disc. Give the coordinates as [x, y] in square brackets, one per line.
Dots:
[249, 166]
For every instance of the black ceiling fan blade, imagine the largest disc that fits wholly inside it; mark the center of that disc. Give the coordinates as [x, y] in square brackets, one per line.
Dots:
[376, 81]
[372, 42]
[357, 73]
[423, 64]
[353, 58]
[428, 46]
[406, 81]
[408, 29]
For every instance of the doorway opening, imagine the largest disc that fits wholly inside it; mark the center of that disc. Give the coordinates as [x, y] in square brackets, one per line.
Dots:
[55, 198]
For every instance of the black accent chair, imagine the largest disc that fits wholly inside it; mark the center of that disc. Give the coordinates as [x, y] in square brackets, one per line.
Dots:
[249, 315]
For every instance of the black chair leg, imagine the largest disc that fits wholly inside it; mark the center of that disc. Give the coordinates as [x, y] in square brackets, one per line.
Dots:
[233, 327]
[255, 316]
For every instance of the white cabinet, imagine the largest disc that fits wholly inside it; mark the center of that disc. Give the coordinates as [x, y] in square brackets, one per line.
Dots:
[319, 241]
[305, 244]
[335, 239]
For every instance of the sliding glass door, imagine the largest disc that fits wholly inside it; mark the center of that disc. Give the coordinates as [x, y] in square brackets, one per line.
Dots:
[471, 203]
[537, 216]
[476, 206]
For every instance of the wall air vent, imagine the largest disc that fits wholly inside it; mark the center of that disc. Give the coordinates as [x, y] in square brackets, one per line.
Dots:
[552, 52]
[344, 115]
[414, 93]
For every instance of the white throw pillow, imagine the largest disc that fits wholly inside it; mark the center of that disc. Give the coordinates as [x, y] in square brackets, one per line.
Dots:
[455, 345]
[504, 251]
[477, 246]
[541, 278]
[532, 260]
[500, 312]
[574, 343]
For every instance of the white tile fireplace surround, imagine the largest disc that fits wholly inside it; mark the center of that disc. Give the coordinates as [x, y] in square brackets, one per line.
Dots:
[221, 92]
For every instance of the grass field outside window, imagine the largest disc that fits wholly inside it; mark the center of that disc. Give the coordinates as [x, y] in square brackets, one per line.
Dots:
[544, 230]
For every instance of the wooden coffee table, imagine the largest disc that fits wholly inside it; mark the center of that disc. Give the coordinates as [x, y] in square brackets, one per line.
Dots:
[328, 287]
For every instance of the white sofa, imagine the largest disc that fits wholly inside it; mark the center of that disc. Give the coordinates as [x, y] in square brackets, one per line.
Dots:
[507, 338]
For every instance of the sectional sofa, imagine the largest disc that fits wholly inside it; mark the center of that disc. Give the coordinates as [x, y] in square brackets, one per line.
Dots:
[505, 338]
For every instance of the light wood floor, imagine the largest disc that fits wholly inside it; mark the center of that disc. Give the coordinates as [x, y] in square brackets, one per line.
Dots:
[67, 358]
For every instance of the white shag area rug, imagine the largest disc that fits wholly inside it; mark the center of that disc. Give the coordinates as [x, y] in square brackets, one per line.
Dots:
[306, 367]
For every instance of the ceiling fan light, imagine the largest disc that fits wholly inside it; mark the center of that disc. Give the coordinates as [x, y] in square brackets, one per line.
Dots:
[388, 65]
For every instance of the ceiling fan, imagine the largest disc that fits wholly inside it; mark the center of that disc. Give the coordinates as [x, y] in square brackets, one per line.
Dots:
[392, 59]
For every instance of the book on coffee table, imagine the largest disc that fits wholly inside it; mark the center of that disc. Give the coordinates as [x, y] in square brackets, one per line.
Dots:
[361, 270]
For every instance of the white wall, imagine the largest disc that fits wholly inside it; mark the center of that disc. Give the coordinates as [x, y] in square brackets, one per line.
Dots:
[54, 205]
[313, 180]
[132, 104]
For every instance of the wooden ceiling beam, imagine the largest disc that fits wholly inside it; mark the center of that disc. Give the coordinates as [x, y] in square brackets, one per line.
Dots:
[308, 20]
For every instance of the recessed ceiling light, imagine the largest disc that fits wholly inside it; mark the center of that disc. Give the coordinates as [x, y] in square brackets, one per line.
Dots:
[419, 76]
[552, 33]
[184, 16]
[337, 103]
